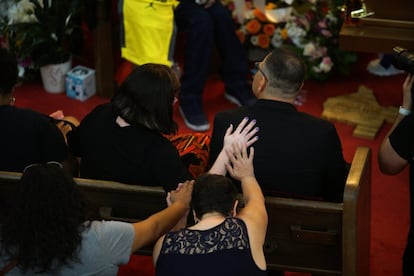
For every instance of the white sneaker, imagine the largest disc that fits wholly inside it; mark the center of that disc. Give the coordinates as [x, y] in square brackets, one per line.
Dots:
[375, 68]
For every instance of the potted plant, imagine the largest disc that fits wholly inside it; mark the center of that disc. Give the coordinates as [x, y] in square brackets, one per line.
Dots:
[40, 34]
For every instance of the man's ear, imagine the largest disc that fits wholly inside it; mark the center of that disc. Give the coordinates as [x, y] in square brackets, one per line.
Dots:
[234, 211]
[262, 84]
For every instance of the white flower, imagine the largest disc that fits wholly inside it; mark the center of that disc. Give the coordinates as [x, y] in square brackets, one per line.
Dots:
[326, 64]
[289, 2]
[254, 40]
[249, 15]
[314, 51]
[277, 40]
[309, 49]
[22, 12]
[296, 34]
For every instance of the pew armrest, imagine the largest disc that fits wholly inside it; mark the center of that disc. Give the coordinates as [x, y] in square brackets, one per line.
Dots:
[357, 215]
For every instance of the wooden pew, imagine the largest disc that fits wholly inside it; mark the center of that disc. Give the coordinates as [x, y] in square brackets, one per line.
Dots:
[303, 235]
[106, 199]
[322, 237]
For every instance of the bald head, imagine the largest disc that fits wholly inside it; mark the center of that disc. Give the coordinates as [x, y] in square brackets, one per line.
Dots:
[285, 71]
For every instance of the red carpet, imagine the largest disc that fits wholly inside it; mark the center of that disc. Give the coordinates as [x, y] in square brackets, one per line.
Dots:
[390, 200]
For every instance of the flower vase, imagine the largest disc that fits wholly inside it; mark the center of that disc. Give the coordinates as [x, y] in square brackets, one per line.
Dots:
[54, 76]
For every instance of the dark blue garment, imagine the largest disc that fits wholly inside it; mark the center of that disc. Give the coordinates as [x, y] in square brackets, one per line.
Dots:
[202, 28]
[401, 140]
[28, 137]
[221, 250]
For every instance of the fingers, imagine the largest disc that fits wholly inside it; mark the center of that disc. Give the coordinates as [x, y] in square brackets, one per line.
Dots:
[242, 124]
[250, 126]
[243, 152]
[229, 130]
[251, 154]
[250, 136]
[252, 141]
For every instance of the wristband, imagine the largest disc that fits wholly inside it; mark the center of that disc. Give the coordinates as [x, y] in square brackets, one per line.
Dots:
[404, 111]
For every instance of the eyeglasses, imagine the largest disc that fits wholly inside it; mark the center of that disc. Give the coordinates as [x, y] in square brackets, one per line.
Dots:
[257, 66]
[47, 164]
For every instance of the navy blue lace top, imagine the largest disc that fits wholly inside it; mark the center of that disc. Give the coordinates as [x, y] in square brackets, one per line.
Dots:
[221, 250]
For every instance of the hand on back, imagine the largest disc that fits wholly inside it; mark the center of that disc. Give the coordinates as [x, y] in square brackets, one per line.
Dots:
[241, 162]
[245, 133]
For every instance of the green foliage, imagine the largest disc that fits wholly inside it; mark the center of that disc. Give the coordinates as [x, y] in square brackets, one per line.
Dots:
[46, 39]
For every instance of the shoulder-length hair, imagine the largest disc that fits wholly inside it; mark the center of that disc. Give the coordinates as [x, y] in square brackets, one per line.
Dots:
[146, 98]
[43, 229]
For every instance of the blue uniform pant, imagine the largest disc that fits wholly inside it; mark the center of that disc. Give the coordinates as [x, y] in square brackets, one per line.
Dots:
[203, 27]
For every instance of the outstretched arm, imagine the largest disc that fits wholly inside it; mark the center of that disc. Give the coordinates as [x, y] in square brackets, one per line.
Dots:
[244, 133]
[254, 213]
[152, 228]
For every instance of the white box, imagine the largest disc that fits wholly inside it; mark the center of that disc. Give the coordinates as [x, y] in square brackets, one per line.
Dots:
[80, 83]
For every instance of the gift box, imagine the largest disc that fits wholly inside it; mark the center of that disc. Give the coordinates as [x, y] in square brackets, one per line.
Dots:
[80, 83]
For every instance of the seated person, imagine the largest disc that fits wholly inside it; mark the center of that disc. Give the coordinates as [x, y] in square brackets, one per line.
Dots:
[26, 135]
[297, 155]
[126, 140]
[56, 237]
[223, 241]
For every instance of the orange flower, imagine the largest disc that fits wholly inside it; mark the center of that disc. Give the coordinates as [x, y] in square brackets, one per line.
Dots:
[263, 41]
[270, 6]
[269, 29]
[241, 36]
[253, 26]
[284, 34]
[259, 15]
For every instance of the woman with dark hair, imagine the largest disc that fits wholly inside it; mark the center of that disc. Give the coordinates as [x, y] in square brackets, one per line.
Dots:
[223, 241]
[46, 231]
[126, 140]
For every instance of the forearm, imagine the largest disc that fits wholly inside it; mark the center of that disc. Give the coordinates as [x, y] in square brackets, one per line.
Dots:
[251, 189]
[158, 224]
[219, 166]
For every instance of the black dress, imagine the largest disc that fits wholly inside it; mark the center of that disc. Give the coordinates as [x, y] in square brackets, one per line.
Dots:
[221, 250]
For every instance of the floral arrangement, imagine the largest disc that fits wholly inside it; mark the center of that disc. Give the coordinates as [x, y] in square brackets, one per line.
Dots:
[38, 32]
[310, 27]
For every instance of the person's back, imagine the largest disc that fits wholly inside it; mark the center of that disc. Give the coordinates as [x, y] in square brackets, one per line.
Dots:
[297, 155]
[26, 136]
[124, 140]
[227, 253]
[131, 155]
[99, 253]
[46, 231]
[223, 241]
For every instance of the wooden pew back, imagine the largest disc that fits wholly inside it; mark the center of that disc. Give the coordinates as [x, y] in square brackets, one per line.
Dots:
[324, 238]
[303, 235]
[106, 199]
